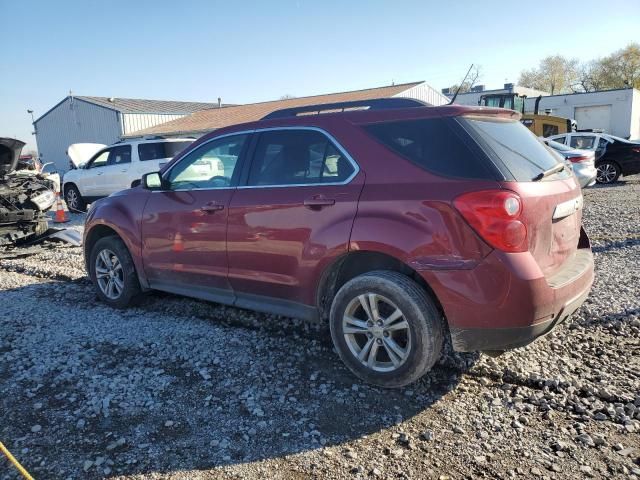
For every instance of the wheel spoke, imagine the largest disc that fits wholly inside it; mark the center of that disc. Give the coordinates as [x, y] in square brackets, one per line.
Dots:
[353, 325]
[104, 256]
[365, 350]
[365, 301]
[373, 353]
[102, 272]
[395, 358]
[397, 349]
[393, 317]
[402, 325]
[118, 283]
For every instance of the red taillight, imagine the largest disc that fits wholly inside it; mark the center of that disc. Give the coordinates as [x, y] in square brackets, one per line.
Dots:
[582, 158]
[496, 216]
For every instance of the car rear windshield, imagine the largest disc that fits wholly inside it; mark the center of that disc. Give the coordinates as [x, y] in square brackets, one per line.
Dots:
[434, 145]
[160, 150]
[514, 146]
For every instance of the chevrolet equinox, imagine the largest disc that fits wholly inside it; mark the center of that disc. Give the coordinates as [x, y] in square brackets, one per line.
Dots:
[402, 226]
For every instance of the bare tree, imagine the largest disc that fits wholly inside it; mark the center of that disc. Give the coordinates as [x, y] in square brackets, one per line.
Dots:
[555, 74]
[287, 97]
[474, 77]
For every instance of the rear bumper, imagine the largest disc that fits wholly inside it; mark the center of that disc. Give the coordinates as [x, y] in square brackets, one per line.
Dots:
[479, 339]
[506, 302]
[586, 173]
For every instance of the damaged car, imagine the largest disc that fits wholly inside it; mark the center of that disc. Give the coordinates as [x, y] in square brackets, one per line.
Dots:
[24, 199]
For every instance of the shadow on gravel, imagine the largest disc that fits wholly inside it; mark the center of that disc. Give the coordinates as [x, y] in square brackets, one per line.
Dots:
[632, 242]
[167, 387]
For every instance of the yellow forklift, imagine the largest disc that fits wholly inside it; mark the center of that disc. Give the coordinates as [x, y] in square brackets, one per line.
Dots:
[540, 125]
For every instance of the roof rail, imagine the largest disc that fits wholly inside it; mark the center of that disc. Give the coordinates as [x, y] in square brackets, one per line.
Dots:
[372, 104]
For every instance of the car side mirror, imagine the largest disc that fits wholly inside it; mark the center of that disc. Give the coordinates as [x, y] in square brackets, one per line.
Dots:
[152, 181]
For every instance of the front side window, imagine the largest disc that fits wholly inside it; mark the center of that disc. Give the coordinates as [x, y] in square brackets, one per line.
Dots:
[582, 142]
[160, 150]
[297, 157]
[212, 165]
[100, 160]
[119, 155]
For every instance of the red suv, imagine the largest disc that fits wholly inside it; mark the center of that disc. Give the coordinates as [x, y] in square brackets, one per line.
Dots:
[397, 223]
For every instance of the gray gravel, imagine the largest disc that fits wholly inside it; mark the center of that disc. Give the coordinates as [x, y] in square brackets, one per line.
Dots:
[182, 389]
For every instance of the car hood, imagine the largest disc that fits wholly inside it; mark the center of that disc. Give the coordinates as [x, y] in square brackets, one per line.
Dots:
[80, 153]
[10, 149]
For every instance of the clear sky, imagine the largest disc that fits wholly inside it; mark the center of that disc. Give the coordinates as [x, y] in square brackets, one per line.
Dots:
[247, 51]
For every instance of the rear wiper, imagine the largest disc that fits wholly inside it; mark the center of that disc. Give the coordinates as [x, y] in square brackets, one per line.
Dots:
[546, 173]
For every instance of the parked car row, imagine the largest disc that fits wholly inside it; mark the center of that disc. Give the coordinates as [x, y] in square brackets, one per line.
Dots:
[582, 162]
[614, 156]
[398, 225]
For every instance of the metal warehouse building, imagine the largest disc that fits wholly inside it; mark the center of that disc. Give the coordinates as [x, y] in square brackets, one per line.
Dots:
[615, 111]
[80, 119]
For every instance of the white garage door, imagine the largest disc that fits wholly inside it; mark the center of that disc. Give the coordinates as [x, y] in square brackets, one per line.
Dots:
[597, 116]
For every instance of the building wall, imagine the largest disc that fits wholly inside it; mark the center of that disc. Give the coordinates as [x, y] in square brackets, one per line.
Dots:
[132, 122]
[625, 112]
[425, 93]
[74, 121]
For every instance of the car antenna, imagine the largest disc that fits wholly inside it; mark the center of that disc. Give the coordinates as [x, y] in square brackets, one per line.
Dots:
[460, 86]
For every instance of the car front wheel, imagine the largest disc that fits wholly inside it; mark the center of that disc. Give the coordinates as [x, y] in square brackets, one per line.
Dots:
[113, 272]
[608, 172]
[386, 328]
[74, 200]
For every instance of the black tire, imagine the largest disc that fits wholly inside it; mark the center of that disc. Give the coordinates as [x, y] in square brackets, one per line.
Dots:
[608, 172]
[75, 202]
[425, 327]
[130, 292]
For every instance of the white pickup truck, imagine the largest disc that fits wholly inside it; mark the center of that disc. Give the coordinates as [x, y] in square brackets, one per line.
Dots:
[99, 170]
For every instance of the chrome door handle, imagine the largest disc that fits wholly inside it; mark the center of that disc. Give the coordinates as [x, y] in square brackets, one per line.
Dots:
[211, 208]
[318, 201]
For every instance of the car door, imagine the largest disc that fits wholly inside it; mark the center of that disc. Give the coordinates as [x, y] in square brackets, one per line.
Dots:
[291, 218]
[115, 175]
[89, 182]
[184, 224]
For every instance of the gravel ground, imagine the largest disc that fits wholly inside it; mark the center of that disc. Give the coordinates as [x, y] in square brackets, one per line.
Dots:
[182, 389]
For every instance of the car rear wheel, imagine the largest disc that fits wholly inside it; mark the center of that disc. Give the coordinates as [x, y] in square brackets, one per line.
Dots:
[74, 200]
[113, 272]
[608, 172]
[386, 328]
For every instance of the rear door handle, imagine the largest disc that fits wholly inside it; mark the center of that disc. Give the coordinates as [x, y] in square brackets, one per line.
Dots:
[318, 201]
[212, 207]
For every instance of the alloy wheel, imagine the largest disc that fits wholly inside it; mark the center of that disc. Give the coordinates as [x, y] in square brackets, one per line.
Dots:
[376, 332]
[72, 199]
[109, 274]
[606, 173]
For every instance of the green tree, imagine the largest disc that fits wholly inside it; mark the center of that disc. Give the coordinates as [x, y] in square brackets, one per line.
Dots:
[554, 74]
[621, 69]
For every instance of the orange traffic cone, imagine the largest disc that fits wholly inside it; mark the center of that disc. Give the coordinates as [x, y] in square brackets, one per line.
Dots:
[61, 215]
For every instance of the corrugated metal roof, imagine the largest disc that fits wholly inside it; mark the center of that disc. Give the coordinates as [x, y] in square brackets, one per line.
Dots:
[212, 119]
[137, 105]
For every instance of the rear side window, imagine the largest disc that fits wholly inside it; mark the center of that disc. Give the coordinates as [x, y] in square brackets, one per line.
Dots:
[119, 155]
[433, 145]
[297, 157]
[160, 150]
[584, 142]
[512, 144]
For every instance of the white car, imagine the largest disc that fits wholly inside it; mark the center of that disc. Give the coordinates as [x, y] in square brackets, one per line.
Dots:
[99, 170]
